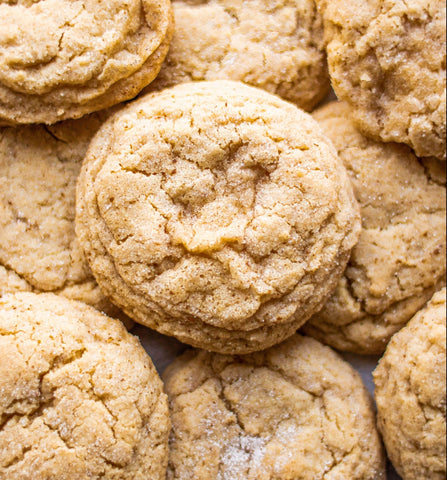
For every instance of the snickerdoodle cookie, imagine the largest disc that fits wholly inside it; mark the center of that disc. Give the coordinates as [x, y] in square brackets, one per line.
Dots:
[65, 58]
[400, 259]
[275, 45]
[387, 58]
[296, 411]
[411, 394]
[39, 251]
[79, 397]
[216, 213]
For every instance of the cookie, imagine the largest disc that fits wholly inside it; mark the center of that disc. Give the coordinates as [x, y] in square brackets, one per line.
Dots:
[410, 395]
[216, 213]
[275, 45]
[39, 251]
[400, 258]
[296, 411]
[64, 59]
[79, 397]
[387, 60]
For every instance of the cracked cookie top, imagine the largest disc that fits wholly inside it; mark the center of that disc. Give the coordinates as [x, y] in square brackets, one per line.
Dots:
[411, 394]
[63, 59]
[216, 213]
[79, 397]
[295, 411]
[387, 58]
[275, 45]
[39, 251]
[399, 260]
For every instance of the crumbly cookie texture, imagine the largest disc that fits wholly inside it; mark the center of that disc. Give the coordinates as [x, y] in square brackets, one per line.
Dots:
[217, 213]
[399, 260]
[64, 59]
[411, 394]
[39, 251]
[275, 45]
[296, 411]
[79, 397]
[387, 58]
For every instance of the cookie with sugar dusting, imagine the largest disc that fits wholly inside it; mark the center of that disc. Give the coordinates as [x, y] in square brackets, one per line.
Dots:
[79, 396]
[216, 213]
[39, 251]
[399, 260]
[275, 45]
[63, 59]
[295, 411]
[411, 394]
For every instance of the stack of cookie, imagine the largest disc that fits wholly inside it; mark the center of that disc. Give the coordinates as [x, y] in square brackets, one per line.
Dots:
[216, 212]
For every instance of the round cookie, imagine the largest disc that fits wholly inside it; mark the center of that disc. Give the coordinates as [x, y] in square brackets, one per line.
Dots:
[84, 401]
[39, 251]
[216, 213]
[275, 45]
[296, 411]
[411, 394]
[399, 260]
[387, 59]
[64, 59]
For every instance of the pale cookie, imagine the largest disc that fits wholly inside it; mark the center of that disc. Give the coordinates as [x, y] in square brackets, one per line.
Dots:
[411, 395]
[216, 213]
[296, 411]
[65, 58]
[387, 58]
[275, 45]
[38, 248]
[400, 259]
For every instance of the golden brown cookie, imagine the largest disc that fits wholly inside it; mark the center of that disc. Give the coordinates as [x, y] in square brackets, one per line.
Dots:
[79, 397]
[411, 394]
[39, 252]
[63, 59]
[296, 411]
[275, 45]
[387, 59]
[216, 213]
[399, 261]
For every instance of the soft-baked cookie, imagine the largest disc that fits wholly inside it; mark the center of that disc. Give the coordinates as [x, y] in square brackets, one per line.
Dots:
[39, 251]
[387, 58]
[63, 59]
[296, 411]
[275, 45]
[399, 261]
[216, 213]
[79, 397]
[411, 394]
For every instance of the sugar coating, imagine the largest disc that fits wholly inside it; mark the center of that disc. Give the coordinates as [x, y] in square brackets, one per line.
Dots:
[399, 260]
[39, 251]
[387, 59]
[275, 45]
[79, 397]
[411, 394]
[63, 59]
[296, 411]
[216, 213]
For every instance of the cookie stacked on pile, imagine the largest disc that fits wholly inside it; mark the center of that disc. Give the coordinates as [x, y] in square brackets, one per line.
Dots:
[214, 211]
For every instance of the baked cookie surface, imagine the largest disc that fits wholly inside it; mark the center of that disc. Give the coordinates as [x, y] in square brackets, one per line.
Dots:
[411, 394]
[387, 58]
[296, 411]
[79, 397]
[39, 251]
[64, 59]
[216, 213]
[275, 45]
[399, 260]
